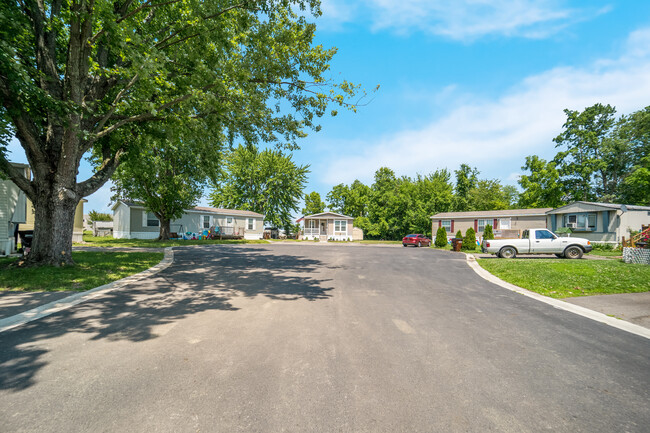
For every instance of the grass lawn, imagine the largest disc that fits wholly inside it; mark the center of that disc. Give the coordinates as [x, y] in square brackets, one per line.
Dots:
[606, 253]
[107, 241]
[561, 278]
[92, 269]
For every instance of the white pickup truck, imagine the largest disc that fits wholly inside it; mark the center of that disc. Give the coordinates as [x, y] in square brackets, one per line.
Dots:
[537, 241]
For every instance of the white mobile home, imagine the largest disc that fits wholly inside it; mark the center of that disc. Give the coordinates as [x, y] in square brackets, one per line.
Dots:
[132, 221]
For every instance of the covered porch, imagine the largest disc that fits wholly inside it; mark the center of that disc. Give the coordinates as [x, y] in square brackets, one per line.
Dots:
[328, 226]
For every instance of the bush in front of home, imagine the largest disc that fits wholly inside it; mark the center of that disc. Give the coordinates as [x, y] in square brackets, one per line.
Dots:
[441, 238]
[469, 241]
[488, 233]
[459, 235]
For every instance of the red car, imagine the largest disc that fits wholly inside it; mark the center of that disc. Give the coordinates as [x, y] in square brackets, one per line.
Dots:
[416, 240]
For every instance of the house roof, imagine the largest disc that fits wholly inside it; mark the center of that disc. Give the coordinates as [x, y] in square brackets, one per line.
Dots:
[201, 209]
[610, 206]
[221, 211]
[494, 213]
[326, 214]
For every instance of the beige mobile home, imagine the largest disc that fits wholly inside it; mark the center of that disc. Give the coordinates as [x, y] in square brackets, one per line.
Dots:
[505, 223]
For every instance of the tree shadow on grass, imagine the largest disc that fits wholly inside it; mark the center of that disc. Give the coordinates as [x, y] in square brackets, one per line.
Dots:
[205, 278]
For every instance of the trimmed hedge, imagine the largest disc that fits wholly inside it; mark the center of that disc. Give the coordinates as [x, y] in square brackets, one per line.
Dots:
[469, 241]
[441, 237]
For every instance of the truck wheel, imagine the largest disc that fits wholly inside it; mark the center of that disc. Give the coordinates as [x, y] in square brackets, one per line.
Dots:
[573, 252]
[507, 253]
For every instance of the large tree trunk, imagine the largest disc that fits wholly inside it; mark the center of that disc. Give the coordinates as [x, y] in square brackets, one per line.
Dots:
[165, 225]
[53, 227]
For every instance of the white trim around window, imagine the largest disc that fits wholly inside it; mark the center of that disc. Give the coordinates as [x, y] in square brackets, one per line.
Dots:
[250, 223]
[446, 224]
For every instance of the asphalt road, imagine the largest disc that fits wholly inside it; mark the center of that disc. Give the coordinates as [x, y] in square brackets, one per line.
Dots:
[301, 338]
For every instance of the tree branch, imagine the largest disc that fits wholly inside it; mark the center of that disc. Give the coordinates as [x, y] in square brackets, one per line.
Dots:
[93, 183]
[161, 45]
[146, 5]
[17, 177]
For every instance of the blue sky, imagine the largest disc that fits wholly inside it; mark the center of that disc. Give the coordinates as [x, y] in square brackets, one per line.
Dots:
[481, 82]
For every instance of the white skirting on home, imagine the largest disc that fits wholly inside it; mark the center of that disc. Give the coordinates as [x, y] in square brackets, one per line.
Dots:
[135, 235]
[252, 236]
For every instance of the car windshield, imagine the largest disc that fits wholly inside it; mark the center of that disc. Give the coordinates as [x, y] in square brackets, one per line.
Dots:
[411, 236]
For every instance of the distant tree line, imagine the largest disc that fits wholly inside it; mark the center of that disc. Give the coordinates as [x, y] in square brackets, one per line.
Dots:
[394, 206]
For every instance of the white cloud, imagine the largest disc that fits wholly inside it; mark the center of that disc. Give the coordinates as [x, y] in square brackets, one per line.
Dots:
[461, 19]
[497, 135]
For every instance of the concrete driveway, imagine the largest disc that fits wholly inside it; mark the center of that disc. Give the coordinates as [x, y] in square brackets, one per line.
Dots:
[293, 338]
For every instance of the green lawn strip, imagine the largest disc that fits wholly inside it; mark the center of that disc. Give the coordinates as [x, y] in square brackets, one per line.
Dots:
[92, 269]
[562, 278]
[607, 253]
[107, 241]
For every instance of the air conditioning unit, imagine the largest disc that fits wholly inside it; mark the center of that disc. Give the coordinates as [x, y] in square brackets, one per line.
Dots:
[571, 225]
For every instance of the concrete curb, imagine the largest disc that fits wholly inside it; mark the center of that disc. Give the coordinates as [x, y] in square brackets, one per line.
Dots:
[67, 302]
[575, 309]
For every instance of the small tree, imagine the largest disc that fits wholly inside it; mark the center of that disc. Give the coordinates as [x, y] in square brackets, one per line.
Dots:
[469, 242]
[459, 235]
[441, 237]
[487, 233]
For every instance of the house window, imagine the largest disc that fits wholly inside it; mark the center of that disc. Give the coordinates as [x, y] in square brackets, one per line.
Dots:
[447, 225]
[340, 226]
[229, 221]
[482, 224]
[581, 221]
[504, 224]
[206, 221]
[152, 221]
[251, 224]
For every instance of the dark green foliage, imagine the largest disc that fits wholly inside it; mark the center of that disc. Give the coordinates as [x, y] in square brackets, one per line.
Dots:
[488, 233]
[469, 241]
[459, 235]
[441, 237]
[601, 158]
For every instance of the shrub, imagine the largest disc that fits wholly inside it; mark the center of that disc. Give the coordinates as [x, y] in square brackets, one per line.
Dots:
[459, 235]
[469, 241]
[441, 238]
[602, 247]
[487, 233]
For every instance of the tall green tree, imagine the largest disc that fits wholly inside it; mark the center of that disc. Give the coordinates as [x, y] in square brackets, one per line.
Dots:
[584, 139]
[542, 187]
[78, 75]
[313, 204]
[168, 173]
[635, 186]
[466, 179]
[268, 182]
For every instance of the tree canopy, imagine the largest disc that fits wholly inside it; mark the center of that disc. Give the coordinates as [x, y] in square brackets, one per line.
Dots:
[600, 158]
[86, 75]
[313, 204]
[268, 182]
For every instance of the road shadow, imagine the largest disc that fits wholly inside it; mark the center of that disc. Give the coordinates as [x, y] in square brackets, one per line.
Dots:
[201, 279]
